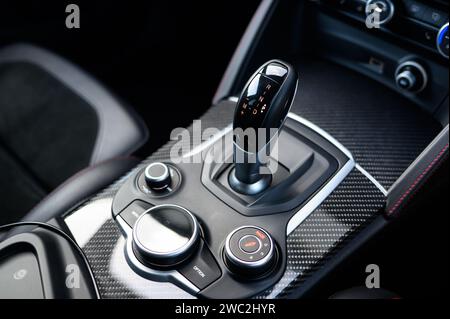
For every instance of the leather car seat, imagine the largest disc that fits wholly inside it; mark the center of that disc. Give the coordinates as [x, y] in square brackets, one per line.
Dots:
[63, 136]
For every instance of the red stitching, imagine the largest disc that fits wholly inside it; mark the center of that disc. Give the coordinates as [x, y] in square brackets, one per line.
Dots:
[417, 180]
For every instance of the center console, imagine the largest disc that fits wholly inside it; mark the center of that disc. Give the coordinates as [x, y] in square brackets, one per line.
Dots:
[250, 185]
[229, 213]
[209, 216]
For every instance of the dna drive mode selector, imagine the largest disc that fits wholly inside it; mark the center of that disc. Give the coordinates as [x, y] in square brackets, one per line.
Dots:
[159, 179]
[157, 176]
[249, 250]
[165, 235]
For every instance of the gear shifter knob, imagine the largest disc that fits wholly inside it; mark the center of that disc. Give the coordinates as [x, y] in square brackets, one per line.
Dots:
[262, 107]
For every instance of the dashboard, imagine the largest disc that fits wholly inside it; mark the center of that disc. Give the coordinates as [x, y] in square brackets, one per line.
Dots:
[424, 24]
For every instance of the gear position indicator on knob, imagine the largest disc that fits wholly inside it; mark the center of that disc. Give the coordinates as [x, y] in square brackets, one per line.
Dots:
[250, 250]
[260, 112]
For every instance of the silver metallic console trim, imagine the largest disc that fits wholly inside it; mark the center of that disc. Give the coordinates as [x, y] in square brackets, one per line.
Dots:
[172, 276]
[372, 179]
[177, 252]
[314, 202]
[160, 178]
[321, 132]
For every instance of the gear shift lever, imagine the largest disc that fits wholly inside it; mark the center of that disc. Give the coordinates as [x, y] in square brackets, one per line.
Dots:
[260, 113]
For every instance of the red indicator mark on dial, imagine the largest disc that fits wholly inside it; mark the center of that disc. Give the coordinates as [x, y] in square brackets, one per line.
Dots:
[260, 234]
[251, 244]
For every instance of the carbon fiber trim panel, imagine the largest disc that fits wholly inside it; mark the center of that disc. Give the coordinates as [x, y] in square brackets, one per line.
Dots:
[354, 204]
[384, 131]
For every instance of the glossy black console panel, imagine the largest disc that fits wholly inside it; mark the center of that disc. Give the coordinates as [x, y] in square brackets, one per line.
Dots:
[221, 211]
[305, 161]
[217, 220]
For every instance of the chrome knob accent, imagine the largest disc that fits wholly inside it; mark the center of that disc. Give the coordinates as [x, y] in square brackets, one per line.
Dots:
[157, 176]
[406, 80]
[165, 235]
[411, 76]
[249, 250]
[442, 41]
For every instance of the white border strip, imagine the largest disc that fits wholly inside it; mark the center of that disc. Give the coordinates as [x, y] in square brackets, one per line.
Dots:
[314, 202]
[324, 134]
[372, 179]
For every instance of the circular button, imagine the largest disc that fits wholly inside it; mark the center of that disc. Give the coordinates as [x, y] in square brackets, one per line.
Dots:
[157, 176]
[165, 235]
[249, 250]
[411, 76]
[442, 41]
[249, 244]
[406, 80]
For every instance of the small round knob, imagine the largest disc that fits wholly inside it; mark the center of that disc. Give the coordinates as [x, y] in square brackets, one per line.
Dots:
[383, 8]
[165, 235]
[157, 176]
[411, 76]
[406, 80]
[249, 250]
[442, 41]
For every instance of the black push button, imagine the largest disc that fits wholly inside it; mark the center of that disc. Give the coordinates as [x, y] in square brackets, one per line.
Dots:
[133, 211]
[249, 244]
[203, 269]
[245, 236]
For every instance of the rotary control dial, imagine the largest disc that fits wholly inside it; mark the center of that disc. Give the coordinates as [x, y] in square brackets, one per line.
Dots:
[157, 176]
[165, 235]
[442, 41]
[250, 250]
[411, 76]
